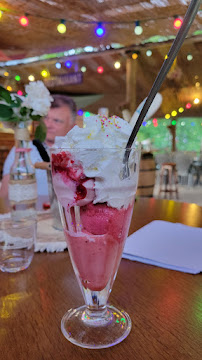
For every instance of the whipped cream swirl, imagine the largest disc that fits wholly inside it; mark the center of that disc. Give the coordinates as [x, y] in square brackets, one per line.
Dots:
[100, 147]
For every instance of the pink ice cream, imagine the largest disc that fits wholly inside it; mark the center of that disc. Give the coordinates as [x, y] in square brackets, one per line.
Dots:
[96, 251]
[95, 233]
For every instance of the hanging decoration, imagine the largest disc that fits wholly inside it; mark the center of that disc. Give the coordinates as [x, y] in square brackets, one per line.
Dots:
[138, 28]
[134, 55]
[196, 101]
[44, 73]
[100, 30]
[100, 69]
[61, 28]
[181, 110]
[189, 57]
[68, 64]
[58, 65]
[117, 65]
[31, 78]
[188, 106]
[149, 53]
[83, 69]
[23, 20]
[177, 22]
[17, 78]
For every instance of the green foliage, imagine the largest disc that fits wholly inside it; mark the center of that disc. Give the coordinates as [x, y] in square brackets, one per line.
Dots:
[5, 112]
[12, 112]
[17, 102]
[35, 117]
[188, 134]
[5, 95]
[40, 132]
[23, 111]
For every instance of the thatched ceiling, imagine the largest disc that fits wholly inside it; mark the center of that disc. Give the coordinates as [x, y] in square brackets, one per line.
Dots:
[41, 37]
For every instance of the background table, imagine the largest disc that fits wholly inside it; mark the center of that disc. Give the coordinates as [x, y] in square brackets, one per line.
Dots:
[165, 306]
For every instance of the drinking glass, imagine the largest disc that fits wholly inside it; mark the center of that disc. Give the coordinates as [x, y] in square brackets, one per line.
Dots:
[96, 204]
[17, 240]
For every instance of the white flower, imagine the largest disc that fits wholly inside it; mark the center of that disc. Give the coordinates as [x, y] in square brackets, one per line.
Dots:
[38, 98]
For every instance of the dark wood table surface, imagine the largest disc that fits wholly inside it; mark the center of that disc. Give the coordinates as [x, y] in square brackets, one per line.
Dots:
[165, 305]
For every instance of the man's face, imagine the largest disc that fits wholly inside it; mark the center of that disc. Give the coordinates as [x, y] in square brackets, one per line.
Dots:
[58, 122]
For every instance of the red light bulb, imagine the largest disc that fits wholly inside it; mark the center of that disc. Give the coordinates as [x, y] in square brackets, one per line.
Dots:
[100, 69]
[188, 106]
[19, 92]
[177, 23]
[24, 21]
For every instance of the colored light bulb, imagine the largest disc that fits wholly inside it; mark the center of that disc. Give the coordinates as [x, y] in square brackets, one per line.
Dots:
[174, 113]
[117, 65]
[177, 23]
[17, 78]
[61, 28]
[138, 28]
[44, 73]
[134, 56]
[149, 53]
[80, 112]
[196, 101]
[181, 109]
[100, 69]
[189, 57]
[58, 65]
[68, 64]
[24, 21]
[31, 77]
[100, 31]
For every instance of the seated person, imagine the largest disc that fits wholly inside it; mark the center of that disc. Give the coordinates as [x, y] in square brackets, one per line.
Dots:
[59, 120]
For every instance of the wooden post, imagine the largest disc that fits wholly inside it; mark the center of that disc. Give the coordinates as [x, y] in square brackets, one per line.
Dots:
[131, 76]
[172, 129]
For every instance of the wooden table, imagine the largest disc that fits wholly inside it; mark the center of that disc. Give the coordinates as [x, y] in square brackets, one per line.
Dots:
[165, 306]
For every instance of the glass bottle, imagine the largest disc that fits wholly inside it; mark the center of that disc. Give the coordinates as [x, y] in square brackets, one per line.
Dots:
[22, 187]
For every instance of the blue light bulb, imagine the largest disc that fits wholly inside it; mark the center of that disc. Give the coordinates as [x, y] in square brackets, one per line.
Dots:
[68, 64]
[80, 112]
[58, 65]
[100, 31]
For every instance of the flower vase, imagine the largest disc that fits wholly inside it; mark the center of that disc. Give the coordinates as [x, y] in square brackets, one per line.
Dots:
[22, 189]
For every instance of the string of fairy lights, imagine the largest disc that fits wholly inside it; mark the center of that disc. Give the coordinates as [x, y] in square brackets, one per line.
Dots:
[100, 31]
[99, 26]
[117, 64]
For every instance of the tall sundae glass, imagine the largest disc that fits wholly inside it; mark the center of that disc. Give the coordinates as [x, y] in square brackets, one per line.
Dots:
[96, 203]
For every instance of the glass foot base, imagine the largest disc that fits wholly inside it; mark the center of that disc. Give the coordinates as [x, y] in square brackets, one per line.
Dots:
[95, 332]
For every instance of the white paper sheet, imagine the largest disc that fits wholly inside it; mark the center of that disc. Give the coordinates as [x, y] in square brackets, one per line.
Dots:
[169, 245]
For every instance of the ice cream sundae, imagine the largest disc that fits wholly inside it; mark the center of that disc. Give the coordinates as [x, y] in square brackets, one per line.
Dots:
[96, 202]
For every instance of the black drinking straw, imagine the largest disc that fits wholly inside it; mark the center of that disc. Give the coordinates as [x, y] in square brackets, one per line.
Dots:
[177, 43]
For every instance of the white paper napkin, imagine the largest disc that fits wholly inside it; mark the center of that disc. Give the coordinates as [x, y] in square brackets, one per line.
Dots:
[169, 245]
